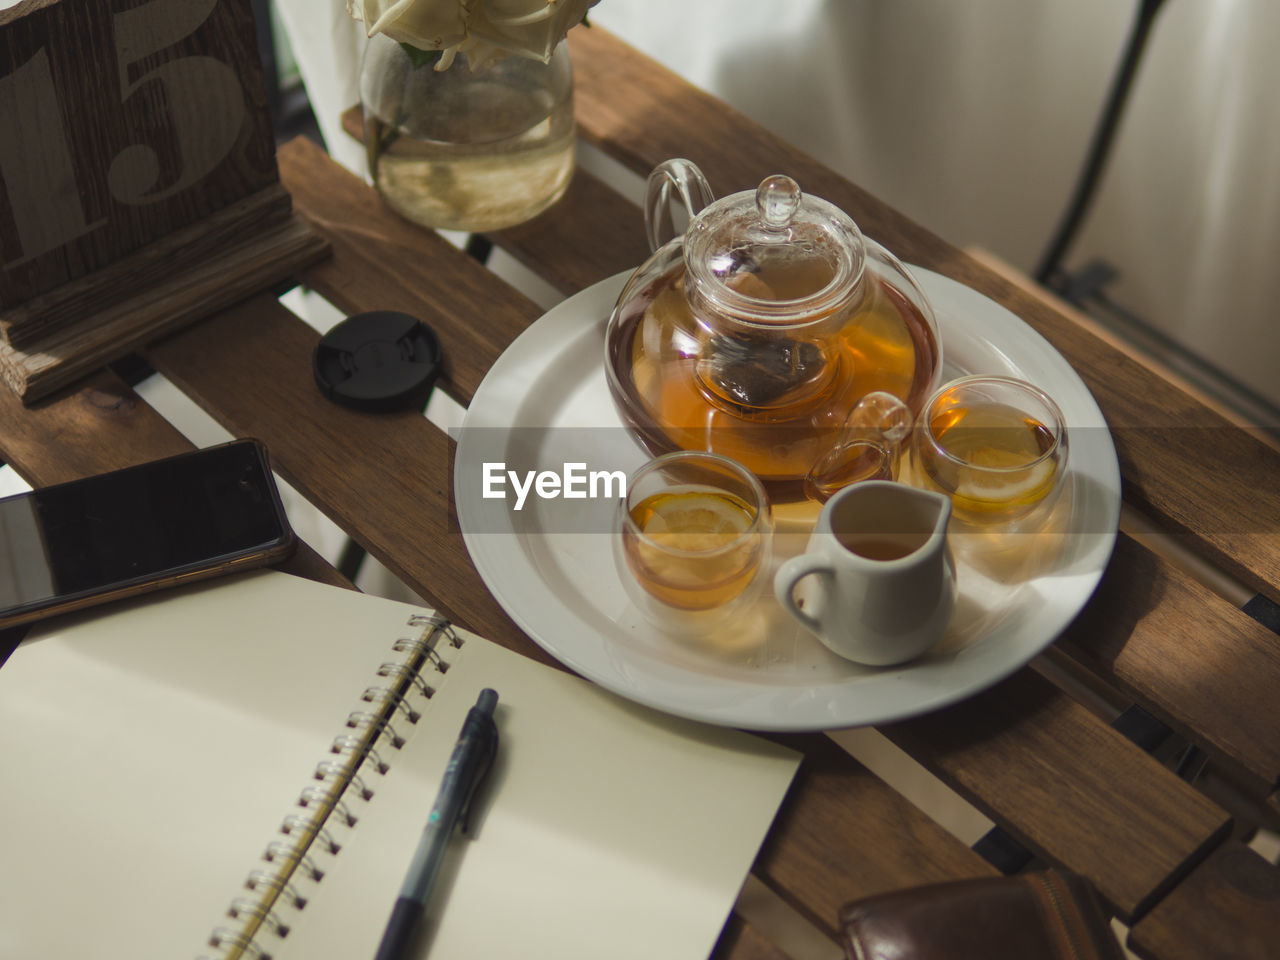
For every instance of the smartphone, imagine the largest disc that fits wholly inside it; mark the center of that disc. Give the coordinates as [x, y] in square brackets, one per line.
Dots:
[171, 521]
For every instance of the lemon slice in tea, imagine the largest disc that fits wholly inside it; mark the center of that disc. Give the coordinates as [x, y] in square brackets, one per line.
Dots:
[693, 521]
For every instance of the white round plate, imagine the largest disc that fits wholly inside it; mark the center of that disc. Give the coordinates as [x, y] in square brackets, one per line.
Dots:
[1017, 593]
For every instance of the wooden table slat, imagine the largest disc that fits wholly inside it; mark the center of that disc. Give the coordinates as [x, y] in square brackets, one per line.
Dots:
[96, 425]
[642, 114]
[741, 941]
[843, 835]
[591, 233]
[1229, 907]
[1068, 787]
[1189, 657]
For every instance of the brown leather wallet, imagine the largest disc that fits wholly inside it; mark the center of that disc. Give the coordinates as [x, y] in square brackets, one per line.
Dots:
[1043, 915]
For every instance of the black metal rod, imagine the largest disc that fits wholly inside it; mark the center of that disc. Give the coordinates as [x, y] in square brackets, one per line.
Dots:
[1265, 611]
[479, 247]
[267, 54]
[1103, 136]
[351, 560]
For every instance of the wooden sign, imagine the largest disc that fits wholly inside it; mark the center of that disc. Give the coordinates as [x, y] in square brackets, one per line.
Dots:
[138, 184]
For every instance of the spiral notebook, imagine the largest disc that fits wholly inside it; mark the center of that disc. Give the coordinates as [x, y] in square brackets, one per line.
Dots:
[243, 768]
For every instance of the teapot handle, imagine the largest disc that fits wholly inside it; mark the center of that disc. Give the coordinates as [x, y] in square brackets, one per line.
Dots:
[866, 449]
[692, 187]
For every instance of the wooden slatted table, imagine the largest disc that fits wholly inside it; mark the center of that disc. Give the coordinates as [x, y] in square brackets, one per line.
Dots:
[1035, 753]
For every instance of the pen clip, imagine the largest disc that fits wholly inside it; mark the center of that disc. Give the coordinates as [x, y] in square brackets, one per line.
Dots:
[490, 734]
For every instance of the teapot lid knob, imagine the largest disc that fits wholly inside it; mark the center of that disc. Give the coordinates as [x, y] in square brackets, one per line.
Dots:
[777, 199]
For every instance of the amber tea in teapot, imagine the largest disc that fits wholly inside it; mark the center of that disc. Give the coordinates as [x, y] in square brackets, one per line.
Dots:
[756, 333]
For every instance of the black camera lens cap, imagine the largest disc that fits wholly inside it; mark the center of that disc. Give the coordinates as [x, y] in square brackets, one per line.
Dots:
[380, 361]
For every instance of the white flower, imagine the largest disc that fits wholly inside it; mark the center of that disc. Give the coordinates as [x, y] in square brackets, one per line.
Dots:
[425, 24]
[529, 28]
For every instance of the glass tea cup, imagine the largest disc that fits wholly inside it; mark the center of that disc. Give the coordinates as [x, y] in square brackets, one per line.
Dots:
[692, 539]
[995, 445]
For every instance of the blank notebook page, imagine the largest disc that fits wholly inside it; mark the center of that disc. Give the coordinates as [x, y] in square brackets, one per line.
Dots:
[153, 750]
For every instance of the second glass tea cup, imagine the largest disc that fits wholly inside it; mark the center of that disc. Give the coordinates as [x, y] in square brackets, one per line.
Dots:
[692, 539]
[996, 446]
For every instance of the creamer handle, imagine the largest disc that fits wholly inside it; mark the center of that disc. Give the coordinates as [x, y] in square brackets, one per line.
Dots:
[790, 574]
[692, 188]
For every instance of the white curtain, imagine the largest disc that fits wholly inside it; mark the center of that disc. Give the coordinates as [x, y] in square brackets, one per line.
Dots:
[327, 45]
[973, 116]
[1190, 209]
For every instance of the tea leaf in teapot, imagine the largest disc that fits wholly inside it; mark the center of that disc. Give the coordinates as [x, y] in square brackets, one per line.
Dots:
[754, 374]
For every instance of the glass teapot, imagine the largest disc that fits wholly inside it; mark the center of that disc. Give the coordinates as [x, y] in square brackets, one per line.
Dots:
[757, 332]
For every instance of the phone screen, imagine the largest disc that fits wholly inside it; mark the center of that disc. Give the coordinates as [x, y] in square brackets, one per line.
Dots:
[136, 525]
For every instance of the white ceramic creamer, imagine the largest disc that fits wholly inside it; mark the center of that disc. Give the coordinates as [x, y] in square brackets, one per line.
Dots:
[883, 579]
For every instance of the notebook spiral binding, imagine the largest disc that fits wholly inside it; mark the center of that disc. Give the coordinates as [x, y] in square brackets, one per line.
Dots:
[297, 858]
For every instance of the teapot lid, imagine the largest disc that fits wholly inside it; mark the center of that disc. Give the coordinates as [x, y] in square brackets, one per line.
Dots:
[768, 255]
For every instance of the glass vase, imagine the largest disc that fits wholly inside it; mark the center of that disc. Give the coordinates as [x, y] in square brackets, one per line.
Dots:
[466, 148]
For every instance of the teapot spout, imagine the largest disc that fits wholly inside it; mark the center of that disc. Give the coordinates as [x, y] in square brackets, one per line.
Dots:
[691, 188]
[866, 448]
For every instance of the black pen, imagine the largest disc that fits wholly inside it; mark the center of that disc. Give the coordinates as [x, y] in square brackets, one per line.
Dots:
[471, 759]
